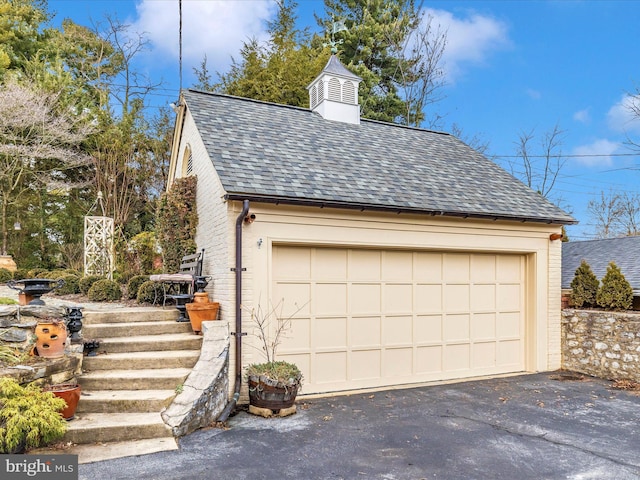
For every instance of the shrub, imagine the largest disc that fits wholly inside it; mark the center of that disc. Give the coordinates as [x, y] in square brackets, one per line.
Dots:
[584, 286]
[35, 272]
[615, 292]
[140, 253]
[21, 273]
[71, 285]
[104, 290]
[134, 285]
[176, 222]
[85, 283]
[150, 292]
[44, 273]
[5, 275]
[29, 417]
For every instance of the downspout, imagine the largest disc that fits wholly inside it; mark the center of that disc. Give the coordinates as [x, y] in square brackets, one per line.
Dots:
[238, 333]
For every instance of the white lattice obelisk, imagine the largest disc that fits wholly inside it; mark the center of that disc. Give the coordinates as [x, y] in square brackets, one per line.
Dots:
[98, 246]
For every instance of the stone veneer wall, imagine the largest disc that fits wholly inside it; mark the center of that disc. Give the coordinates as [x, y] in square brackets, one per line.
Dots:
[602, 344]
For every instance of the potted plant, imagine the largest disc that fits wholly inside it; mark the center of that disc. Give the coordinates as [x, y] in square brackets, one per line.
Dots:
[273, 384]
[70, 393]
[29, 417]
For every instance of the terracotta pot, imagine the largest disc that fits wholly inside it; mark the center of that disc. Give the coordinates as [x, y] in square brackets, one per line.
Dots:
[70, 393]
[198, 312]
[51, 339]
[201, 297]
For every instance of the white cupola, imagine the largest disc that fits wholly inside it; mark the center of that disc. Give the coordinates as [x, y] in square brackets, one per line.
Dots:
[334, 93]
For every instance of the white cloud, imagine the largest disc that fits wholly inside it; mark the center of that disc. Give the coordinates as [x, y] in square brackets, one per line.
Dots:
[621, 118]
[470, 40]
[534, 94]
[602, 149]
[582, 116]
[216, 28]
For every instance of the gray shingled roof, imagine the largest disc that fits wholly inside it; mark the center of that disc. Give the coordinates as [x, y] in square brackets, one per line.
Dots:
[277, 153]
[624, 251]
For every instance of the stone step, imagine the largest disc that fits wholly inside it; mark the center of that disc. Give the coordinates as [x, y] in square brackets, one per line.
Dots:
[121, 401]
[129, 315]
[146, 343]
[149, 379]
[110, 330]
[115, 427]
[141, 360]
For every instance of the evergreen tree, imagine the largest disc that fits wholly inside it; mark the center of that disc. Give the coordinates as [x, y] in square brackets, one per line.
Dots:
[615, 292]
[584, 286]
[278, 71]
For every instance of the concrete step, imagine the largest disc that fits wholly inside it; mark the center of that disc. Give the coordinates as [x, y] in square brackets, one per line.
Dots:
[128, 315]
[146, 343]
[147, 379]
[96, 452]
[115, 427]
[110, 330]
[124, 401]
[141, 360]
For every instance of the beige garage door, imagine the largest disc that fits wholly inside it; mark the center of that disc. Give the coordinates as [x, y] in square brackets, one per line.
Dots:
[371, 318]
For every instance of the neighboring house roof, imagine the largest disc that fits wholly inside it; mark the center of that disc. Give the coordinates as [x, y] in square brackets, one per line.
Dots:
[625, 252]
[282, 154]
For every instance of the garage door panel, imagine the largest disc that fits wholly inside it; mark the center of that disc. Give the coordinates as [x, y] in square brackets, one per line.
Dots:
[509, 297]
[330, 367]
[397, 266]
[456, 268]
[290, 299]
[366, 332]
[364, 265]
[483, 326]
[365, 298]
[509, 353]
[398, 362]
[398, 298]
[483, 298]
[331, 333]
[330, 299]
[428, 298]
[292, 263]
[456, 357]
[484, 355]
[483, 269]
[382, 318]
[366, 364]
[297, 337]
[398, 330]
[456, 298]
[330, 264]
[428, 267]
[509, 269]
[508, 325]
[428, 329]
[456, 328]
[429, 359]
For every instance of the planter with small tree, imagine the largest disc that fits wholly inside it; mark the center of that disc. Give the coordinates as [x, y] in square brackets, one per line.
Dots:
[273, 385]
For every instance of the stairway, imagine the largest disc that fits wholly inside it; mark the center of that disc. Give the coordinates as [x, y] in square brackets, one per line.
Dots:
[144, 357]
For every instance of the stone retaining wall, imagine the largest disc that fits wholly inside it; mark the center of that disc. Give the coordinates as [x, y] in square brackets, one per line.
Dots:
[602, 344]
[17, 330]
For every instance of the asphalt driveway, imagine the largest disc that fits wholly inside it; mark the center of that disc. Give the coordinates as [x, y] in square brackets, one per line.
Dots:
[527, 427]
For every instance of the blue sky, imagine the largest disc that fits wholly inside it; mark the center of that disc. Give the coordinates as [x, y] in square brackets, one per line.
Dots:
[512, 67]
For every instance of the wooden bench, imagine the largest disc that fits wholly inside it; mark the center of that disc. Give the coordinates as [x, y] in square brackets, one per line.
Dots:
[181, 286]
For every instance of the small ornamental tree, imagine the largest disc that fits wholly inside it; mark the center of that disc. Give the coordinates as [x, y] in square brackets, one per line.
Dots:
[584, 286]
[615, 293]
[176, 222]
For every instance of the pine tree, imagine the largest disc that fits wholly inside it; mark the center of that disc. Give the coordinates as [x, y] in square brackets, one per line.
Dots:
[584, 286]
[615, 293]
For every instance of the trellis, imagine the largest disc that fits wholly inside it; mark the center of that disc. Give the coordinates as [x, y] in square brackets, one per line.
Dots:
[98, 246]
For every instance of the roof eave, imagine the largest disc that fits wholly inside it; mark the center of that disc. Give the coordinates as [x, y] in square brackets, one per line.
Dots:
[276, 200]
